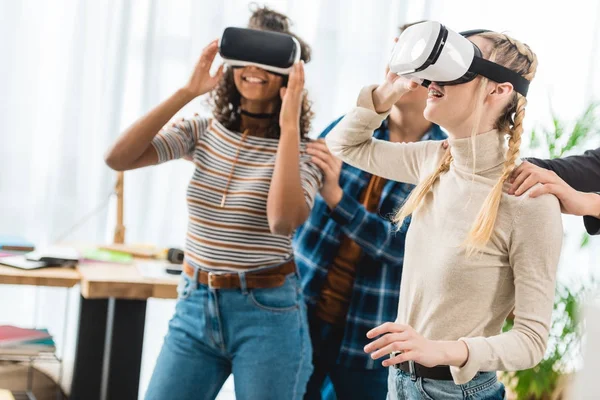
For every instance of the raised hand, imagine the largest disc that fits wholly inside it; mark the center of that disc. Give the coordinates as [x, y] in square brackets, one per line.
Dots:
[291, 97]
[202, 81]
[332, 166]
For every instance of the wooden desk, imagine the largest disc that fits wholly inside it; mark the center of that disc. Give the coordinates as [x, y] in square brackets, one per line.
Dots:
[103, 281]
[56, 277]
[111, 322]
[98, 280]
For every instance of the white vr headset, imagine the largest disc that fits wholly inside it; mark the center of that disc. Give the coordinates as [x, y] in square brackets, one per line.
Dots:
[431, 52]
[272, 51]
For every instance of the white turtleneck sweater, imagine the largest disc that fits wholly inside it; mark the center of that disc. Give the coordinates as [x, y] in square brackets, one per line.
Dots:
[444, 294]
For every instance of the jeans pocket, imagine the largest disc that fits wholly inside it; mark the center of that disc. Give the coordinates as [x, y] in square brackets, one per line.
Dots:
[184, 288]
[428, 389]
[485, 386]
[278, 299]
[433, 389]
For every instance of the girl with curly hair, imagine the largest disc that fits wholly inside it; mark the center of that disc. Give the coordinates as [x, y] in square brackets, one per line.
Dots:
[240, 308]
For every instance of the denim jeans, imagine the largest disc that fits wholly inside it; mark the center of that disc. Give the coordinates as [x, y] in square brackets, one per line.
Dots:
[484, 386]
[348, 383]
[259, 335]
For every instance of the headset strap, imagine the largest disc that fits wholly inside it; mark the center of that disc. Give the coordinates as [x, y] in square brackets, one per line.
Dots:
[496, 72]
[473, 32]
[499, 73]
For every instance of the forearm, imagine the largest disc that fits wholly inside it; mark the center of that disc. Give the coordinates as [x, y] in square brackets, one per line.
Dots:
[374, 234]
[593, 205]
[286, 205]
[134, 142]
[581, 172]
[351, 141]
[384, 97]
[455, 352]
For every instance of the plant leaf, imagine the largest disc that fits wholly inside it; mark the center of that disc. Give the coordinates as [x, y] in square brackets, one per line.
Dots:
[585, 240]
[534, 140]
[584, 126]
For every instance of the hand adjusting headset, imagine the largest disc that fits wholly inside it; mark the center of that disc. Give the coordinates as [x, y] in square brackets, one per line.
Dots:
[272, 51]
[431, 52]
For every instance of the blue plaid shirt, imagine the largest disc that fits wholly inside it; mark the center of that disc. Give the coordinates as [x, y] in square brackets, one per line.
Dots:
[378, 272]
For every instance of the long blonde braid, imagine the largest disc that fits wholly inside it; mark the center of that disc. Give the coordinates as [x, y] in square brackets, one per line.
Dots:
[518, 57]
[418, 194]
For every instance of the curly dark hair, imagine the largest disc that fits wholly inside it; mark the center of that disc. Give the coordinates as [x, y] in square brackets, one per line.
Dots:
[225, 98]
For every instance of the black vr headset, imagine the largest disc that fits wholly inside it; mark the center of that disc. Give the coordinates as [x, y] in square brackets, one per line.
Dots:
[431, 52]
[272, 51]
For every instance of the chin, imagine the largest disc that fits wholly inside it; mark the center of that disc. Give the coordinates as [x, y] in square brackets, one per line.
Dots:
[252, 96]
[257, 95]
[432, 114]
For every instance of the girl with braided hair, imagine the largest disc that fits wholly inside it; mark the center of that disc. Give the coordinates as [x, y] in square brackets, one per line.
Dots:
[473, 252]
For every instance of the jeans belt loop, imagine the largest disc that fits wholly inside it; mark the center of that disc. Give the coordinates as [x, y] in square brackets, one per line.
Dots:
[411, 368]
[211, 276]
[243, 285]
[194, 283]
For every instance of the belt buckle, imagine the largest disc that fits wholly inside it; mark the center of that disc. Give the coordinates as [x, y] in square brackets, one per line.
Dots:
[411, 369]
[211, 276]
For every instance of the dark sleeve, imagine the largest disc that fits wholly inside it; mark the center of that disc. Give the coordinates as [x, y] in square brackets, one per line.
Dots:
[592, 225]
[582, 173]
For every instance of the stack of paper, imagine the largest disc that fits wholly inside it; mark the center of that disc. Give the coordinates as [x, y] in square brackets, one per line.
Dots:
[54, 255]
[22, 262]
[107, 256]
[20, 341]
[44, 257]
[143, 251]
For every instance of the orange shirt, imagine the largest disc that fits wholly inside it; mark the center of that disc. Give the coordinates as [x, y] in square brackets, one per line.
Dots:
[334, 301]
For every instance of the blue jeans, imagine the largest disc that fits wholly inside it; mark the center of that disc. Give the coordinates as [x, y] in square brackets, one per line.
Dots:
[348, 383]
[259, 335]
[484, 386]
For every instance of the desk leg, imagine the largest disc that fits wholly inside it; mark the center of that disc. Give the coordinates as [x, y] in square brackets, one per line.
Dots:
[89, 353]
[109, 349]
[127, 341]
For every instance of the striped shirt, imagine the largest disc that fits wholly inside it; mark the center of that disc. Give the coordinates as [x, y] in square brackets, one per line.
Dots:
[236, 236]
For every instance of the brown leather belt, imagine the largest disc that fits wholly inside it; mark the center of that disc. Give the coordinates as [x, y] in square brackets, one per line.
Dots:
[440, 372]
[270, 278]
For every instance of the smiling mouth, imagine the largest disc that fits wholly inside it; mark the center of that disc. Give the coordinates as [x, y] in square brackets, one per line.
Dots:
[254, 79]
[435, 93]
